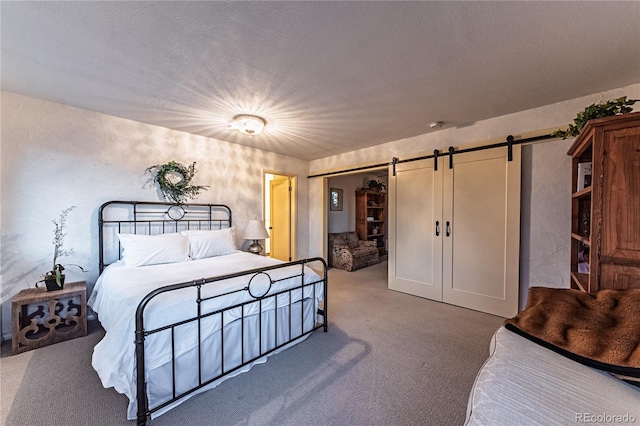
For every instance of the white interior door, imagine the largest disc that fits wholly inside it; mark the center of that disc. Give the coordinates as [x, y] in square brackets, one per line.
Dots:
[481, 242]
[415, 246]
[454, 234]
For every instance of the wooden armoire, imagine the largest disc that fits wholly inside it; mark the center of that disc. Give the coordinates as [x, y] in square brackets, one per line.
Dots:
[605, 233]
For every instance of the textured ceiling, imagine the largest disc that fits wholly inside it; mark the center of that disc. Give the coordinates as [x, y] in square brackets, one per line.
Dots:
[329, 77]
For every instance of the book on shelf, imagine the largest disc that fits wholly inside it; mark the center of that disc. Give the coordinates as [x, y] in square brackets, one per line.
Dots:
[583, 259]
[584, 176]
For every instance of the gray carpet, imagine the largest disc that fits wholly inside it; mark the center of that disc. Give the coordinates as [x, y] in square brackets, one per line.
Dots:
[388, 359]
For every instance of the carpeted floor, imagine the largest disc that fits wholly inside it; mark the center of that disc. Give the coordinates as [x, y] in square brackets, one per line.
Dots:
[388, 359]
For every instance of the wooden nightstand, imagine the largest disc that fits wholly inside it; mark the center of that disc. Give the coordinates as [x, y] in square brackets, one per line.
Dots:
[60, 315]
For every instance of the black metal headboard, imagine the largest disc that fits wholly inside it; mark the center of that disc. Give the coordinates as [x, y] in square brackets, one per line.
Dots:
[153, 218]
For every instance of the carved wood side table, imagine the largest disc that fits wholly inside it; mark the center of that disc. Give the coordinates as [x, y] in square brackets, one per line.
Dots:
[59, 315]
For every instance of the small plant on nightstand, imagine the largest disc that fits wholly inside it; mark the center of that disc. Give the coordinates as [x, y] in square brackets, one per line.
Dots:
[54, 279]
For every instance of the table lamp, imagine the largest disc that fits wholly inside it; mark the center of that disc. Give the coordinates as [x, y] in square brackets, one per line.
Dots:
[255, 231]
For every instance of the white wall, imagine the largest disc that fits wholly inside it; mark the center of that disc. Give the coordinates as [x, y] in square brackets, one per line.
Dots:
[545, 216]
[545, 210]
[318, 204]
[55, 156]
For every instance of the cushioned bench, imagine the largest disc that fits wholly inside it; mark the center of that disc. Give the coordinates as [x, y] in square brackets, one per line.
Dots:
[523, 383]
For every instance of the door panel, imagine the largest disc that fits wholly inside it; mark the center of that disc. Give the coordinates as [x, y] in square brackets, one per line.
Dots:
[621, 198]
[481, 253]
[477, 239]
[415, 254]
[280, 232]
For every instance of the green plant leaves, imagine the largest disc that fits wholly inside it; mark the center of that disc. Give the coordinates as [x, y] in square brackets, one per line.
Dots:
[180, 190]
[376, 184]
[593, 111]
[59, 276]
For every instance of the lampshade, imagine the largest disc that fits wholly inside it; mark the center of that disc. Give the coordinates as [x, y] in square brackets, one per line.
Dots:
[255, 230]
[248, 124]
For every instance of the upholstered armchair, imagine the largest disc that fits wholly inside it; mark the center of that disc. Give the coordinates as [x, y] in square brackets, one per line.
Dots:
[348, 252]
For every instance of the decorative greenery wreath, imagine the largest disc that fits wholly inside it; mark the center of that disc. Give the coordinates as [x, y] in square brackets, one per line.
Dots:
[179, 190]
[603, 109]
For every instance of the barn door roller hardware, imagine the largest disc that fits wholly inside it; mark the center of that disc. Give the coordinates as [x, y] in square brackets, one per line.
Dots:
[452, 151]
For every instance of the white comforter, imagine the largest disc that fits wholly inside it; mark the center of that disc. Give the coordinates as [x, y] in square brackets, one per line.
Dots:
[120, 289]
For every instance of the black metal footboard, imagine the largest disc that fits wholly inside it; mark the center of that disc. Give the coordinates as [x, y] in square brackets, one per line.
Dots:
[260, 288]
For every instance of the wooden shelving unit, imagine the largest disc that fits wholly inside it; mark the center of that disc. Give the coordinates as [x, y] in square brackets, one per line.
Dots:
[371, 216]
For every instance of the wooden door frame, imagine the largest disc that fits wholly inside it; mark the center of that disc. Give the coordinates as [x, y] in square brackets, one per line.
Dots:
[325, 203]
[294, 206]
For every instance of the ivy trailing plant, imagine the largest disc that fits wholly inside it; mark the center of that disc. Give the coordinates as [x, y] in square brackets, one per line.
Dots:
[603, 109]
[176, 190]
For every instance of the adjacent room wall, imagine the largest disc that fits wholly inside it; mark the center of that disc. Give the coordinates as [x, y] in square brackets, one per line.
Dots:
[55, 156]
[545, 210]
[345, 220]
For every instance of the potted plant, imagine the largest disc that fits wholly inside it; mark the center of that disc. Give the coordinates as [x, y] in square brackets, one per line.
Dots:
[54, 279]
[601, 110]
[376, 185]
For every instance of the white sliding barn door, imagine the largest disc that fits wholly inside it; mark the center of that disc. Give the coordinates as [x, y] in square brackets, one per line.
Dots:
[481, 247]
[472, 259]
[415, 253]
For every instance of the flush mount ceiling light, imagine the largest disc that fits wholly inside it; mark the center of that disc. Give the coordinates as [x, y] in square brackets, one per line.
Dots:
[248, 124]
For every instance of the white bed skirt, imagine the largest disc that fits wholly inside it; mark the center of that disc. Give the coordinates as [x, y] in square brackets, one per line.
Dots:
[523, 383]
[159, 378]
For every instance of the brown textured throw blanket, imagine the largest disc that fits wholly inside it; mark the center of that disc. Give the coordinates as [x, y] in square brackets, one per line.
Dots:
[599, 329]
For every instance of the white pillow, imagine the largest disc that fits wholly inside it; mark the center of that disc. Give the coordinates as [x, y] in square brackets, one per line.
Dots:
[141, 250]
[211, 243]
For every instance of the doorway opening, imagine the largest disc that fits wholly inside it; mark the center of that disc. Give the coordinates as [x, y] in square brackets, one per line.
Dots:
[280, 214]
[341, 215]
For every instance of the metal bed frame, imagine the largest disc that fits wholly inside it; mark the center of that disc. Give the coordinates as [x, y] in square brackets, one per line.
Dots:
[153, 218]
